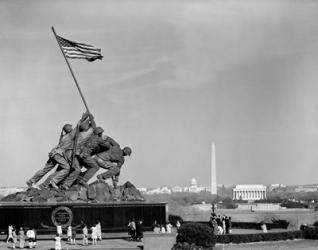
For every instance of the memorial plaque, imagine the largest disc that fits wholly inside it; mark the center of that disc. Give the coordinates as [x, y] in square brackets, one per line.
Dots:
[62, 216]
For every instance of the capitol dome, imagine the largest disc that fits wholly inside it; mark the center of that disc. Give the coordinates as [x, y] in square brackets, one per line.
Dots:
[193, 182]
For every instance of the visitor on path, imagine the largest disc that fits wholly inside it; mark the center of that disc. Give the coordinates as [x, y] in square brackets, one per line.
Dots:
[21, 237]
[94, 235]
[58, 245]
[132, 228]
[162, 229]
[178, 225]
[220, 230]
[139, 230]
[85, 235]
[155, 224]
[69, 233]
[169, 228]
[223, 225]
[99, 231]
[14, 238]
[73, 239]
[227, 225]
[156, 229]
[59, 230]
[31, 237]
[10, 238]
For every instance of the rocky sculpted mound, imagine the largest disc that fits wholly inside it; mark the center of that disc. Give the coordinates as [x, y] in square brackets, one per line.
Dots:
[95, 192]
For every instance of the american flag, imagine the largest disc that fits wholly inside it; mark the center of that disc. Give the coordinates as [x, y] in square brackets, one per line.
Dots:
[76, 50]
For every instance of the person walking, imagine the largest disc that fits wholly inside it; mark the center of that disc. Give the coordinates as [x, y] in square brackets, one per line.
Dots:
[169, 228]
[31, 237]
[94, 235]
[14, 238]
[59, 230]
[85, 235]
[69, 233]
[10, 237]
[21, 237]
[139, 230]
[99, 231]
[73, 240]
[58, 244]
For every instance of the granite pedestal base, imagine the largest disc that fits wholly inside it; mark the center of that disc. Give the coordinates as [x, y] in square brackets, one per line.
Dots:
[114, 216]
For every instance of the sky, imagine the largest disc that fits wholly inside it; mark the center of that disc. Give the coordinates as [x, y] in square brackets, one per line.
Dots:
[175, 77]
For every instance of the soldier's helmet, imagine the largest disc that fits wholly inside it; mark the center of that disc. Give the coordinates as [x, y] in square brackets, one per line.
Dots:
[127, 150]
[67, 128]
[98, 130]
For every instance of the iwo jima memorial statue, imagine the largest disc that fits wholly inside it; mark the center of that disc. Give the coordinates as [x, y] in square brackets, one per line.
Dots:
[65, 196]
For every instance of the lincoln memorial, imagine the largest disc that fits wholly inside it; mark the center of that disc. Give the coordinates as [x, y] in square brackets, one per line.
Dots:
[249, 192]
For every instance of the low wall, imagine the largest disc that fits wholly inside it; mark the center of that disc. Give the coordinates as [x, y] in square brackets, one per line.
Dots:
[159, 241]
[114, 216]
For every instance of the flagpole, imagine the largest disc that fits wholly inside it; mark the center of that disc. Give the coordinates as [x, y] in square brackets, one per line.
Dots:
[69, 66]
[82, 96]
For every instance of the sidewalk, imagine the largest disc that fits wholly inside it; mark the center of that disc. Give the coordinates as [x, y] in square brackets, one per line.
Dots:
[108, 244]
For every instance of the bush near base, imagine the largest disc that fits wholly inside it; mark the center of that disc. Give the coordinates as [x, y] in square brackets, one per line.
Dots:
[194, 235]
[172, 218]
[245, 238]
[310, 232]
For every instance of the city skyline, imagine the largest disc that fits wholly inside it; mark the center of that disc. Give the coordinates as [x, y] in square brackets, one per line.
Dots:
[175, 77]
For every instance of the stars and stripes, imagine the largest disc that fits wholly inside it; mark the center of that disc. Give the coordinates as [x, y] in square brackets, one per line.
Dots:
[76, 50]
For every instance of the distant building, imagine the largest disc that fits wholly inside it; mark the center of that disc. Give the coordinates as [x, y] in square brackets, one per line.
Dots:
[275, 186]
[161, 190]
[249, 192]
[177, 189]
[142, 190]
[193, 188]
[306, 188]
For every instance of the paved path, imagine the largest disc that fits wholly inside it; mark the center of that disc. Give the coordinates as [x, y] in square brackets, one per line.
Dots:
[115, 244]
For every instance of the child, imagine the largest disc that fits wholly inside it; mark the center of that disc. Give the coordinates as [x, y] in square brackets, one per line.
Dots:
[73, 240]
[85, 235]
[99, 231]
[10, 238]
[58, 245]
[31, 237]
[69, 233]
[14, 237]
[94, 235]
[59, 230]
[21, 237]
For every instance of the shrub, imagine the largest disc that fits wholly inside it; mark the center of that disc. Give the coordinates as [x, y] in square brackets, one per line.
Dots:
[316, 223]
[245, 238]
[172, 218]
[197, 234]
[310, 232]
[277, 223]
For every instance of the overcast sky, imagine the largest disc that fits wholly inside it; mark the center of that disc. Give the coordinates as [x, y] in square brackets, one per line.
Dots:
[176, 75]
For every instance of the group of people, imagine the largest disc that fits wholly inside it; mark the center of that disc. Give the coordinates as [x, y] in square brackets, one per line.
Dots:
[20, 237]
[95, 235]
[135, 229]
[84, 146]
[162, 228]
[220, 224]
